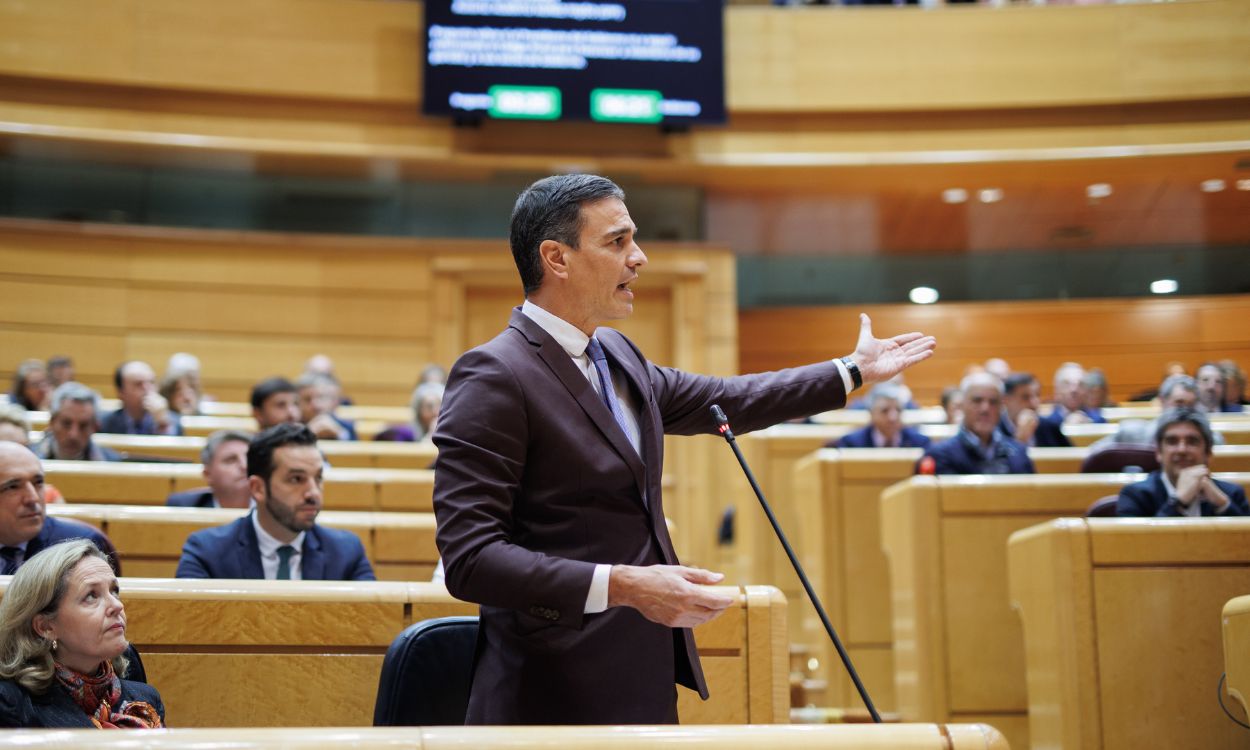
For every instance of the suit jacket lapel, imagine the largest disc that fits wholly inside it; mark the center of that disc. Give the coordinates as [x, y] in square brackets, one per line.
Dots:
[249, 549]
[312, 563]
[57, 709]
[579, 387]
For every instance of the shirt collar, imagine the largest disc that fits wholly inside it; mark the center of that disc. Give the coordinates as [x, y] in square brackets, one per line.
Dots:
[570, 338]
[269, 545]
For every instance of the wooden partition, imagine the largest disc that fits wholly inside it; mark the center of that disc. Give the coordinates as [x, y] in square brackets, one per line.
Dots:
[100, 482]
[1131, 340]
[1122, 629]
[837, 492]
[308, 653]
[958, 651]
[149, 539]
[848, 737]
[340, 454]
[1236, 621]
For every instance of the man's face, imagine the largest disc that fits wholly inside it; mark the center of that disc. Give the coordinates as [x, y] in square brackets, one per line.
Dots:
[278, 408]
[72, 428]
[315, 399]
[1210, 386]
[1180, 398]
[21, 495]
[226, 473]
[292, 496]
[138, 381]
[1068, 390]
[982, 407]
[886, 417]
[1023, 397]
[36, 388]
[1181, 446]
[604, 265]
[58, 374]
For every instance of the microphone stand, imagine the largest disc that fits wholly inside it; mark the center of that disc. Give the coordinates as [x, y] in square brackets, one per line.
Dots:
[722, 423]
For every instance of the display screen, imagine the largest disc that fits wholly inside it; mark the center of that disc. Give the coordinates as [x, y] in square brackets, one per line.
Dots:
[640, 61]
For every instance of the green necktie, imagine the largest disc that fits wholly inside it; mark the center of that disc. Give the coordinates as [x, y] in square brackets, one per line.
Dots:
[284, 562]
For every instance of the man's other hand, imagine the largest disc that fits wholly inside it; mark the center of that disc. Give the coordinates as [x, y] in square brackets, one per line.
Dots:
[671, 595]
[882, 359]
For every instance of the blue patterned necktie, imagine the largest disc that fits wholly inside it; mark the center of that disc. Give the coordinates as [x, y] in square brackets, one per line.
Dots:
[284, 562]
[607, 391]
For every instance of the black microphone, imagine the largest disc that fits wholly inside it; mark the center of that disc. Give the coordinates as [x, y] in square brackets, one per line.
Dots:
[722, 424]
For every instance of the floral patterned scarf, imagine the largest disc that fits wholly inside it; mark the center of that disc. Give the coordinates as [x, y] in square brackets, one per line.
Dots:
[98, 695]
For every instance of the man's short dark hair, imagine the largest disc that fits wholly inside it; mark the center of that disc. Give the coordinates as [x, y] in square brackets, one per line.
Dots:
[1193, 417]
[217, 438]
[266, 388]
[551, 209]
[1017, 380]
[117, 374]
[260, 452]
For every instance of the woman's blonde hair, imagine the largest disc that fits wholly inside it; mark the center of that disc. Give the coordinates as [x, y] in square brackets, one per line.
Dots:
[38, 589]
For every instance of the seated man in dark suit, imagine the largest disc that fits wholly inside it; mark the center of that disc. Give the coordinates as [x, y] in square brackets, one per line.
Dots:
[1070, 398]
[1184, 485]
[279, 539]
[71, 425]
[143, 410]
[225, 469]
[318, 398]
[1021, 398]
[885, 428]
[25, 528]
[275, 401]
[979, 447]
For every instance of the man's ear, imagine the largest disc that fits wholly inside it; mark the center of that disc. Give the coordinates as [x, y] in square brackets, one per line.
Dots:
[552, 256]
[257, 487]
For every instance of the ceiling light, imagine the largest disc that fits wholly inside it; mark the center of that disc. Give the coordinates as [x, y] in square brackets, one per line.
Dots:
[1212, 186]
[955, 195]
[1164, 286]
[1098, 190]
[923, 295]
[990, 195]
[1243, 184]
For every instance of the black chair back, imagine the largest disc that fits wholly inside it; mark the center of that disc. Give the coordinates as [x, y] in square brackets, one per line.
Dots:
[426, 674]
[1103, 507]
[1120, 457]
[135, 672]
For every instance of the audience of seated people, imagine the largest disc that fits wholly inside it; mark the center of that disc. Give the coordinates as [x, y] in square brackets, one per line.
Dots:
[953, 405]
[25, 527]
[62, 647]
[1211, 386]
[1096, 393]
[318, 398]
[1070, 397]
[72, 423]
[274, 401]
[1234, 386]
[224, 458]
[14, 426]
[60, 370]
[1183, 486]
[280, 538]
[885, 427]
[143, 411]
[321, 364]
[979, 447]
[1022, 398]
[31, 387]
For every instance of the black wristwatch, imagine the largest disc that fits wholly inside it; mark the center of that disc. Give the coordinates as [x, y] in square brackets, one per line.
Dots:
[857, 379]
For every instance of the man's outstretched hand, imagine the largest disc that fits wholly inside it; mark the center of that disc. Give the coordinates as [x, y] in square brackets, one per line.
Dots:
[668, 594]
[882, 359]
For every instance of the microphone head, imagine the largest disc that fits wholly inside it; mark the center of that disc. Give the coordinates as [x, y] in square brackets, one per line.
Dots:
[719, 415]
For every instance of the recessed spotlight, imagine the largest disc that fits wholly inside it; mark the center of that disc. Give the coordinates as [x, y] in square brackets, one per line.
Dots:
[1097, 190]
[923, 295]
[1243, 184]
[955, 195]
[1213, 186]
[990, 195]
[1164, 286]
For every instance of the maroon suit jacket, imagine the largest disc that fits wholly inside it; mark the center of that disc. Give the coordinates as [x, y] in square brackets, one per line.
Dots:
[535, 483]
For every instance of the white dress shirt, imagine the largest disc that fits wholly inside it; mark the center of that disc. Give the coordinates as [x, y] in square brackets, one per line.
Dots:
[269, 551]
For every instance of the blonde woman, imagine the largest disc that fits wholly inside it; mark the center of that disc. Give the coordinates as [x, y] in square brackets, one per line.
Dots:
[62, 636]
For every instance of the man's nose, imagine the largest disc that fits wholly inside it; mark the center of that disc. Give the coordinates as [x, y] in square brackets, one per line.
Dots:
[637, 258]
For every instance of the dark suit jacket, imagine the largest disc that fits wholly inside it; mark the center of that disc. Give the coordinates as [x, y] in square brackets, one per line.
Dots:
[55, 709]
[231, 551]
[535, 483]
[954, 456]
[1150, 498]
[862, 438]
[1049, 434]
[198, 498]
[115, 422]
[59, 530]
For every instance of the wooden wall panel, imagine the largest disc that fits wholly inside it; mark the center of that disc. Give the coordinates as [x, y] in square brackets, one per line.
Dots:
[1131, 339]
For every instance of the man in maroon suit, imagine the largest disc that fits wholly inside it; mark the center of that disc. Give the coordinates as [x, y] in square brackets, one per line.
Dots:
[547, 484]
